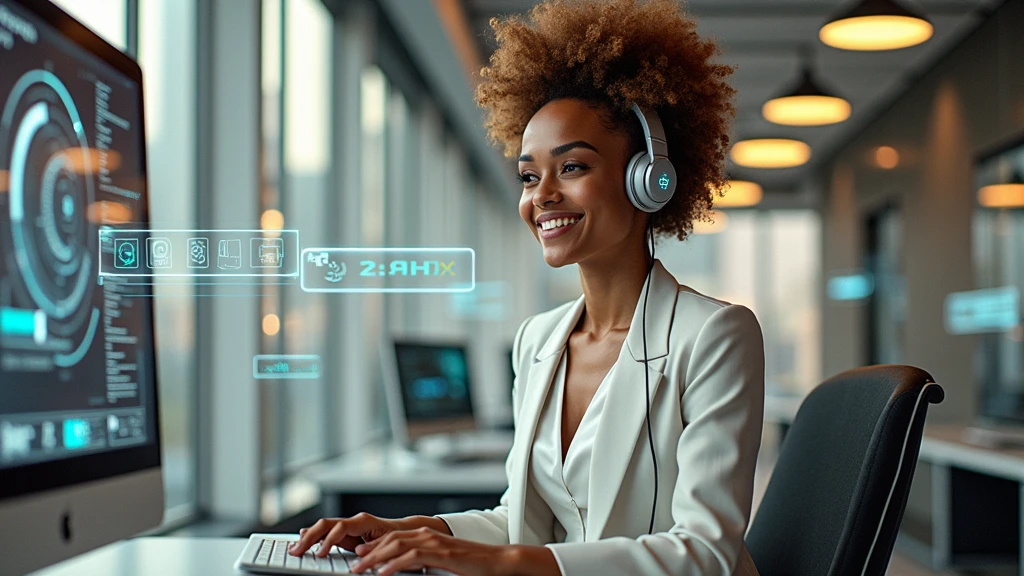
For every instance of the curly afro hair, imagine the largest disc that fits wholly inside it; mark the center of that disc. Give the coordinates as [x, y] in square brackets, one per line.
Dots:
[609, 53]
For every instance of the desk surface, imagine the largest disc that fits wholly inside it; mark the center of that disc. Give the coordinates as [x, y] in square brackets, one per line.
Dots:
[384, 470]
[944, 444]
[155, 557]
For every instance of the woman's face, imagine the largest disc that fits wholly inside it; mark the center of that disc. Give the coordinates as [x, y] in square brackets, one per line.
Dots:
[574, 170]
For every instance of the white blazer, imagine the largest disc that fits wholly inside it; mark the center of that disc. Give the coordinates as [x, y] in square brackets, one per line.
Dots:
[706, 367]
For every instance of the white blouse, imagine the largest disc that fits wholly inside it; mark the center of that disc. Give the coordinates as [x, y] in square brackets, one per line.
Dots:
[564, 486]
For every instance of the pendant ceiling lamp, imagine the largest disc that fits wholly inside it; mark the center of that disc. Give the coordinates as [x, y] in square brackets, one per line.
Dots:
[1008, 195]
[739, 193]
[720, 221]
[876, 25]
[806, 103]
[770, 153]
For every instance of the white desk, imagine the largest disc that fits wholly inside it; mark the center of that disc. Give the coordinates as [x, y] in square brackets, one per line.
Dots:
[155, 557]
[966, 506]
[388, 482]
[944, 444]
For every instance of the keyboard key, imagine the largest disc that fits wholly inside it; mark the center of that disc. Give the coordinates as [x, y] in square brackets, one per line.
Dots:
[311, 562]
[338, 565]
[263, 555]
[278, 554]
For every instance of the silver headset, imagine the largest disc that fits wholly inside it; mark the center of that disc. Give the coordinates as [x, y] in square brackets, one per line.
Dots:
[650, 184]
[650, 176]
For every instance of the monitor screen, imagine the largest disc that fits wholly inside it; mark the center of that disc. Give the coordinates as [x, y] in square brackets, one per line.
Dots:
[434, 380]
[77, 373]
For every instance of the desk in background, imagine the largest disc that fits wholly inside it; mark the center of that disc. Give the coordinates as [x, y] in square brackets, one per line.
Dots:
[966, 507]
[389, 483]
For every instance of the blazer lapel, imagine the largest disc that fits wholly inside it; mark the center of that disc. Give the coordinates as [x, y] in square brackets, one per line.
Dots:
[624, 416]
[542, 371]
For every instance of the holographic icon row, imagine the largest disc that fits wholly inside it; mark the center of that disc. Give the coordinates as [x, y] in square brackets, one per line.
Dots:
[257, 253]
[189, 253]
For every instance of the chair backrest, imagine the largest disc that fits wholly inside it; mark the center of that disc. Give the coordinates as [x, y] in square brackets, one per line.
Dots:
[837, 494]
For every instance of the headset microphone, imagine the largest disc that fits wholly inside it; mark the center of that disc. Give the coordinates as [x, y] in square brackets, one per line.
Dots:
[650, 184]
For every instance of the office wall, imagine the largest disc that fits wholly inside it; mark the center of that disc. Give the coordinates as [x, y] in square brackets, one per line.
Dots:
[971, 101]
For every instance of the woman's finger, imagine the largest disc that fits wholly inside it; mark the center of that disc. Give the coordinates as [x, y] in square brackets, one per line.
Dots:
[391, 545]
[335, 536]
[311, 536]
[411, 560]
[366, 547]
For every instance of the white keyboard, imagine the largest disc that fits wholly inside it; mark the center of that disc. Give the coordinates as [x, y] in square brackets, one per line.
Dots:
[268, 554]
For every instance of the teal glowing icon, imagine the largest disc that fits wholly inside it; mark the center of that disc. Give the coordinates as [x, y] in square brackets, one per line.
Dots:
[77, 434]
[127, 253]
[67, 206]
[663, 181]
[335, 271]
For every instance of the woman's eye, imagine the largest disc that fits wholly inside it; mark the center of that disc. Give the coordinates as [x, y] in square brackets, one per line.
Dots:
[526, 178]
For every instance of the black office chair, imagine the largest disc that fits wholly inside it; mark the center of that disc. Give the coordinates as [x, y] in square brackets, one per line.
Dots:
[837, 494]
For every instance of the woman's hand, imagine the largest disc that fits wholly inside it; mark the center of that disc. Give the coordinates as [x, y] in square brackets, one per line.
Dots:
[413, 549]
[351, 532]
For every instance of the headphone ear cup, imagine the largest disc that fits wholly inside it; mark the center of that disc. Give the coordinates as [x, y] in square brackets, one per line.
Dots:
[636, 191]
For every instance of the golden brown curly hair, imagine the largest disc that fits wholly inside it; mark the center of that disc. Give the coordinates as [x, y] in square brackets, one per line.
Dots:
[609, 53]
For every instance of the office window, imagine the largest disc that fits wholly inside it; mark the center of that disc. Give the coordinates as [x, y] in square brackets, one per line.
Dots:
[307, 148]
[998, 236]
[108, 18]
[887, 304]
[767, 261]
[296, 58]
[373, 198]
[791, 312]
[400, 198]
[374, 102]
[167, 40]
[994, 312]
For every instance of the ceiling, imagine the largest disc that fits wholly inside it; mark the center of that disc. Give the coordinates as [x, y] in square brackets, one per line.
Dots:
[764, 40]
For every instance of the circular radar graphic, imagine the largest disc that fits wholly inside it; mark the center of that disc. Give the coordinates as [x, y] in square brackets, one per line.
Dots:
[44, 149]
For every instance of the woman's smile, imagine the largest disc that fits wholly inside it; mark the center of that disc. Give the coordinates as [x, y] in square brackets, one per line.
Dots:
[557, 225]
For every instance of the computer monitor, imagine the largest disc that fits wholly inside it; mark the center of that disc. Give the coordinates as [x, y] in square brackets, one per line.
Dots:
[429, 389]
[79, 443]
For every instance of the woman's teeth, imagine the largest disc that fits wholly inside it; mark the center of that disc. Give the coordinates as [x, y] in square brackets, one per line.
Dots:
[557, 222]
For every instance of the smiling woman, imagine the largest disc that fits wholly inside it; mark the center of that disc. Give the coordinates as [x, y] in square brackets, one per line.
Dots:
[619, 119]
[608, 55]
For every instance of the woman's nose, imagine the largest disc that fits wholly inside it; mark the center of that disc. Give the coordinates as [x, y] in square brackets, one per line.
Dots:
[547, 191]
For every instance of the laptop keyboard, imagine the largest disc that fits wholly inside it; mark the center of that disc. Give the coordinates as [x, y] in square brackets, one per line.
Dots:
[274, 554]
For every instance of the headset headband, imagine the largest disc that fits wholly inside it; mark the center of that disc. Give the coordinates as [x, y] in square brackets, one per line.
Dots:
[654, 133]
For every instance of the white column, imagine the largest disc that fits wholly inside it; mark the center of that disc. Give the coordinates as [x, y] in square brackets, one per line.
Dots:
[353, 398]
[229, 184]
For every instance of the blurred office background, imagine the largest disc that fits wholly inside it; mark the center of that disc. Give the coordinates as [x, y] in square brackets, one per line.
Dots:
[353, 122]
